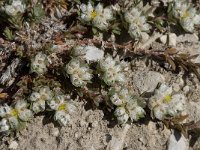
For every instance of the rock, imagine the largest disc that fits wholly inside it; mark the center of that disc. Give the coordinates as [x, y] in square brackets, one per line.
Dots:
[176, 87]
[177, 142]
[54, 132]
[76, 135]
[95, 124]
[145, 37]
[147, 81]
[1, 41]
[171, 39]
[142, 140]
[186, 89]
[163, 39]
[187, 38]
[82, 123]
[194, 109]
[13, 145]
[193, 49]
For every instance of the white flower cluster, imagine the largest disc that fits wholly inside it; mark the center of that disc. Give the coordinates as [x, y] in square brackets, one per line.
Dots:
[39, 98]
[39, 63]
[137, 22]
[13, 116]
[186, 14]
[17, 7]
[99, 17]
[164, 104]
[88, 53]
[43, 98]
[63, 107]
[79, 71]
[128, 106]
[112, 70]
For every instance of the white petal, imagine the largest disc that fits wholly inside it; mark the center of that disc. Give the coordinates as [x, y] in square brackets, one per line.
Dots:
[119, 111]
[21, 104]
[62, 118]
[99, 8]
[25, 115]
[4, 110]
[122, 119]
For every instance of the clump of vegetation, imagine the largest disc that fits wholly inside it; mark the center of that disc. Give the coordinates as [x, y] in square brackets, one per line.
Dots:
[77, 52]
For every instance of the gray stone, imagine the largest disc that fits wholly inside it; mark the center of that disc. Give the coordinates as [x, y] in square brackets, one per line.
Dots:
[177, 142]
[187, 38]
[171, 39]
[147, 81]
[13, 145]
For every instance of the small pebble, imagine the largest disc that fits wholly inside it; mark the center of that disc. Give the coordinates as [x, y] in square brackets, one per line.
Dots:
[186, 89]
[13, 145]
[142, 140]
[82, 123]
[177, 142]
[176, 87]
[76, 135]
[95, 124]
[172, 39]
[54, 132]
[1, 41]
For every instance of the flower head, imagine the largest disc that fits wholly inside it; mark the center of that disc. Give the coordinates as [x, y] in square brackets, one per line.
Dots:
[111, 70]
[164, 103]
[128, 106]
[39, 63]
[12, 116]
[187, 15]
[15, 8]
[98, 16]
[79, 72]
[39, 98]
[137, 22]
[63, 107]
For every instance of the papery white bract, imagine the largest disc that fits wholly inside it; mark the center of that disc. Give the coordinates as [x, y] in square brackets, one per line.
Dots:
[4, 126]
[88, 53]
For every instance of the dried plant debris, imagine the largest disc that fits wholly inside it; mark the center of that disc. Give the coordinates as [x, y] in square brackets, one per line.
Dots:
[55, 54]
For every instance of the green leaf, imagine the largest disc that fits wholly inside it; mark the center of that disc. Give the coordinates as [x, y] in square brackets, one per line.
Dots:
[8, 34]
[94, 30]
